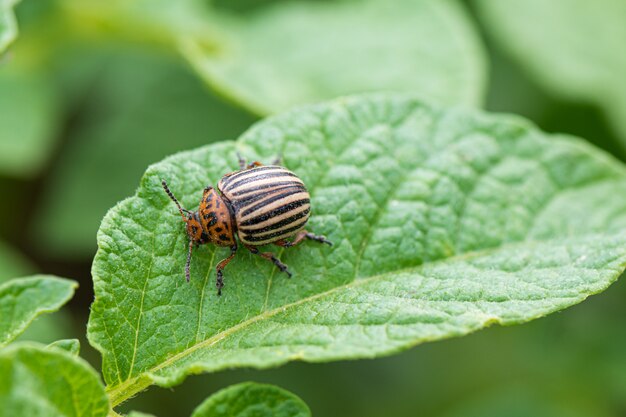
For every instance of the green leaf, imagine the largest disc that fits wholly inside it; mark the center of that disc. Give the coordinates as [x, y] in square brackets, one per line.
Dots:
[252, 399]
[40, 382]
[22, 300]
[571, 47]
[47, 327]
[70, 345]
[444, 221]
[301, 52]
[137, 116]
[8, 25]
[29, 117]
[139, 414]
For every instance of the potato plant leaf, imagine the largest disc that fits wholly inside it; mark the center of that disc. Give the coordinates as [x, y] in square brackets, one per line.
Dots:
[252, 399]
[22, 300]
[300, 52]
[69, 345]
[570, 47]
[290, 53]
[444, 221]
[48, 382]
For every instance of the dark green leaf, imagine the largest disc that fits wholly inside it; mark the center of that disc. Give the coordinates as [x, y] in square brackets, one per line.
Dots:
[444, 221]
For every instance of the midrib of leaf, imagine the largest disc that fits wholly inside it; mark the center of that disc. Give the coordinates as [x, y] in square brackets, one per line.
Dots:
[132, 386]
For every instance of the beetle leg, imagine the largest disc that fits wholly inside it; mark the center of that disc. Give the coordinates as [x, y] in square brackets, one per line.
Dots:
[270, 257]
[188, 264]
[220, 268]
[300, 237]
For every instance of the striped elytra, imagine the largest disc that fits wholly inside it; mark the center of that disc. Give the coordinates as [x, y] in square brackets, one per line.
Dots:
[269, 203]
[259, 204]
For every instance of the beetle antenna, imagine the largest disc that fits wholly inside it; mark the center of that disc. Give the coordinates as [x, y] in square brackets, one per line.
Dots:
[171, 195]
[188, 264]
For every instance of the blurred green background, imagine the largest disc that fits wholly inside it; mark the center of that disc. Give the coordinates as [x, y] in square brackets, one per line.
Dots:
[93, 92]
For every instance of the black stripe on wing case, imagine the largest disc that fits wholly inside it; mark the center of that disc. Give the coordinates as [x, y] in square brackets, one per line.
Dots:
[238, 174]
[276, 212]
[285, 232]
[277, 225]
[265, 186]
[233, 186]
[266, 202]
[242, 203]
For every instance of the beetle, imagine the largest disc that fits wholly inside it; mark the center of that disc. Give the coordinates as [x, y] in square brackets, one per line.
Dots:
[260, 204]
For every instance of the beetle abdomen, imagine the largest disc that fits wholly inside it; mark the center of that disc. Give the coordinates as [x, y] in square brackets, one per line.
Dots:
[269, 203]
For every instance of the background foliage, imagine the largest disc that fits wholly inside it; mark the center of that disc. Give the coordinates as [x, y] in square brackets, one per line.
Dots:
[92, 92]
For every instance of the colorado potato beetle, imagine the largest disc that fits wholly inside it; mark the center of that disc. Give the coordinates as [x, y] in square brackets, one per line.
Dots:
[260, 204]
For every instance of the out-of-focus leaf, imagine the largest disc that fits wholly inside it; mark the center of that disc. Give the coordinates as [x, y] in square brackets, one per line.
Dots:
[571, 47]
[29, 118]
[160, 22]
[143, 107]
[48, 382]
[252, 399]
[70, 345]
[444, 222]
[300, 52]
[8, 25]
[139, 414]
[23, 299]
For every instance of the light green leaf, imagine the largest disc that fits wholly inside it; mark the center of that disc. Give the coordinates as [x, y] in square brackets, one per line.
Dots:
[571, 47]
[136, 117]
[139, 414]
[49, 383]
[23, 299]
[8, 25]
[444, 221]
[70, 345]
[301, 52]
[252, 399]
